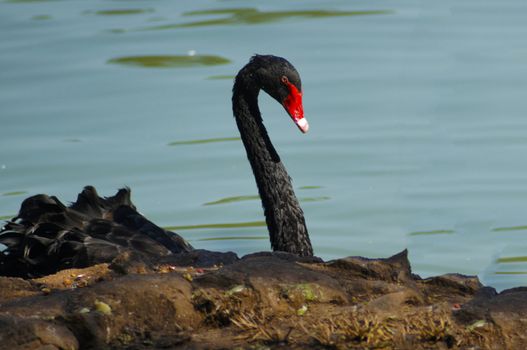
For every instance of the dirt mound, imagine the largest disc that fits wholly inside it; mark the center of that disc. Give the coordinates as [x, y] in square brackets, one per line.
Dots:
[264, 300]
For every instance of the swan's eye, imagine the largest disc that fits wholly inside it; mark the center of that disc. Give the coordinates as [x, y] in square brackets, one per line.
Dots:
[284, 79]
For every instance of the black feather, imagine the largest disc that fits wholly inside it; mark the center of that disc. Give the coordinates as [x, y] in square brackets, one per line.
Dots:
[48, 236]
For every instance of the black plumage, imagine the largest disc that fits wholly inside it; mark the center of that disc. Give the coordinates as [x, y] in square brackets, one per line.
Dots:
[284, 217]
[48, 236]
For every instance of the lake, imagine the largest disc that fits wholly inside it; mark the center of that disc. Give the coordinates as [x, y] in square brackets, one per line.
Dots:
[418, 133]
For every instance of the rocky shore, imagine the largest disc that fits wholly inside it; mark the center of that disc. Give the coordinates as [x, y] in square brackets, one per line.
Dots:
[208, 300]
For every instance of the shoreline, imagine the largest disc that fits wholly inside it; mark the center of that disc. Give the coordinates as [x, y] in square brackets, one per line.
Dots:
[210, 300]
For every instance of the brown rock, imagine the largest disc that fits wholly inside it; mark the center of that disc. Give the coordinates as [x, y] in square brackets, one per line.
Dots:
[272, 300]
[20, 333]
[12, 288]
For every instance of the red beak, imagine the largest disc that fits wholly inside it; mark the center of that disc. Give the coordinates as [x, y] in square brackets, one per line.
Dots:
[293, 105]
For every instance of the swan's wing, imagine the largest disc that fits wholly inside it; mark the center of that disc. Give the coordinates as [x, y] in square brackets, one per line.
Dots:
[47, 236]
[134, 221]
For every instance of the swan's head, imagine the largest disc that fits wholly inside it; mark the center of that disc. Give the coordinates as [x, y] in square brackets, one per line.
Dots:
[281, 81]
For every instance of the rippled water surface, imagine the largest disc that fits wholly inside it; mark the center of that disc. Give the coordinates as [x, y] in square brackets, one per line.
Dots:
[417, 109]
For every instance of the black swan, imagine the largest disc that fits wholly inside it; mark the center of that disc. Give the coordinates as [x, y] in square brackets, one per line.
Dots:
[277, 77]
[47, 236]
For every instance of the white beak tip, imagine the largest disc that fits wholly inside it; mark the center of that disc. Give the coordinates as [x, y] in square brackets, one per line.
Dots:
[303, 125]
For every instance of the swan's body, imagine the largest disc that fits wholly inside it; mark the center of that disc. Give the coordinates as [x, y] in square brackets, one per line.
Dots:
[47, 236]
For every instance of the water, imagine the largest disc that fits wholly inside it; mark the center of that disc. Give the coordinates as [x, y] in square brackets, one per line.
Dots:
[417, 111]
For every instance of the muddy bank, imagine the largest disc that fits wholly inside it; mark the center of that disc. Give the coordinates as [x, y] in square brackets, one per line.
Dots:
[205, 300]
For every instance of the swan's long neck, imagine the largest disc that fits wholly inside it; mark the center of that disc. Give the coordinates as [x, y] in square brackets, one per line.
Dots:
[284, 217]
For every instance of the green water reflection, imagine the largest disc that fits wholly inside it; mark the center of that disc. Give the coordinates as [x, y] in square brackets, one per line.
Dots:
[234, 238]
[218, 225]
[432, 232]
[511, 265]
[6, 217]
[309, 187]
[197, 142]
[14, 193]
[315, 199]
[170, 61]
[121, 12]
[512, 259]
[221, 77]
[233, 199]
[251, 16]
[511, 228]
[41, 17]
